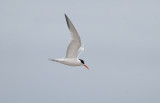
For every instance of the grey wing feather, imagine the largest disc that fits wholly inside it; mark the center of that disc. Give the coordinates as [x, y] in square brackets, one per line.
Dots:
[75, 42]
[81, 49]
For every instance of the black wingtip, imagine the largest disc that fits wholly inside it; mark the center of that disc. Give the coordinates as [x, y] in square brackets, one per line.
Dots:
[67, 19]
[66, 16]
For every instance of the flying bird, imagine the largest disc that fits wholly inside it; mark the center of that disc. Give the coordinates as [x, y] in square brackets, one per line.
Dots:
[74, 48]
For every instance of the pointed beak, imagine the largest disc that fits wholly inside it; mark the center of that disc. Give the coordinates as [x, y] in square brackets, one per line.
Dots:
[86, 67]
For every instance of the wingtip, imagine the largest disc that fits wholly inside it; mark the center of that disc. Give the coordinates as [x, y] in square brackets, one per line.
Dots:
[67, 20]
[65, 16]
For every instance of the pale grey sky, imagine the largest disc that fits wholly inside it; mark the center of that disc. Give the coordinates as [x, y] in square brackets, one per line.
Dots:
[122, 49]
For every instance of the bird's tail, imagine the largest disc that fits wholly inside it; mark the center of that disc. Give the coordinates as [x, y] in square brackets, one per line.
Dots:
[53, 60]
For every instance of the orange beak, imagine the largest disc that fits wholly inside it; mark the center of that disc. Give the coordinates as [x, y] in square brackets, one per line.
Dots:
[86, 67]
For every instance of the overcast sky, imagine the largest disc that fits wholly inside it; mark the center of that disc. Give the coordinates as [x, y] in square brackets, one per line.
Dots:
[122, 49]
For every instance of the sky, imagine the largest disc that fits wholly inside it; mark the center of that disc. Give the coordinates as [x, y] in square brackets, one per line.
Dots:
[122, 49]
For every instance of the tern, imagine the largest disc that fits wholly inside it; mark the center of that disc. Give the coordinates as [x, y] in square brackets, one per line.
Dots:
[74, 48]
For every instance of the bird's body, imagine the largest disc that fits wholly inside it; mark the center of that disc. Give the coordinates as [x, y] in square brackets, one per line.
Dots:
[68, 61]
[74, 48]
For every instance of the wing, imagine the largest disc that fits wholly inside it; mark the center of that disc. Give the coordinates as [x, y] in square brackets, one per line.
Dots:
[81, 49]
[75, 42]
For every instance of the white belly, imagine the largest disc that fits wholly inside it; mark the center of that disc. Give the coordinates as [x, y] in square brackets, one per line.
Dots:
[70, 62]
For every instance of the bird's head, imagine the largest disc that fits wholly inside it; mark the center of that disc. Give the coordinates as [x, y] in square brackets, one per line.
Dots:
[82, 61]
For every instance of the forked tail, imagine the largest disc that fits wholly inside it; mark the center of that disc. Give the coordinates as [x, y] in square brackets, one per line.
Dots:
[53, 60]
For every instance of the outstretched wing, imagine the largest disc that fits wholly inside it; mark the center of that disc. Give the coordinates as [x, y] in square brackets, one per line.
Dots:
[75, 42]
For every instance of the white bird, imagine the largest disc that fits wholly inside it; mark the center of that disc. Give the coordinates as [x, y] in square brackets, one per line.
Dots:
[74, 48]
